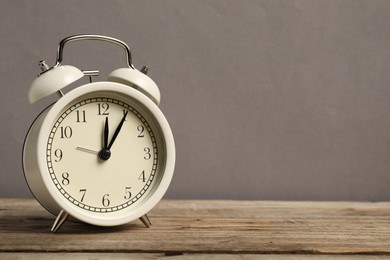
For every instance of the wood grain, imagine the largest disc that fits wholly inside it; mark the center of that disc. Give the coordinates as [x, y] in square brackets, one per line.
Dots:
[208, 227]
[147, 256]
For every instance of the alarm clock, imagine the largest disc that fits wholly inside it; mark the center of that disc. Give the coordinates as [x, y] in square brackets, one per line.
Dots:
[103, 153]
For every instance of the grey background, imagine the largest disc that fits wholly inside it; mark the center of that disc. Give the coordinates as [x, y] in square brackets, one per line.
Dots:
[284, 100]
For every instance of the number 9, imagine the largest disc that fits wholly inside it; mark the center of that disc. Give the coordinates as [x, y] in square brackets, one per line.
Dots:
[58, 155]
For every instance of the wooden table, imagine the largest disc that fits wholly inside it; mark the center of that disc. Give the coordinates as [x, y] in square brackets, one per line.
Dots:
[189, 229]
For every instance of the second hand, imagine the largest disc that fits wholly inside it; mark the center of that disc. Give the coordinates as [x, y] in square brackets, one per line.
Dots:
[86, 150]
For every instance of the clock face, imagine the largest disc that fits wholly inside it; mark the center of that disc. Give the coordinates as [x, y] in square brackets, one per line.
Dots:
[104, 152]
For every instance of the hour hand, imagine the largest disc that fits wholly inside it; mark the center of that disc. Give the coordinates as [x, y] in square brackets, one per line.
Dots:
[105, 153]
[105, 134]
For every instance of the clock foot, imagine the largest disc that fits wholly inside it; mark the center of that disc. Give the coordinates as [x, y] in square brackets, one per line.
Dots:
[145, 219]
[59, 220]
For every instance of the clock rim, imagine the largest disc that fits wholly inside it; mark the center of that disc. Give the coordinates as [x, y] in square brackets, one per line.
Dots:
[108, 219]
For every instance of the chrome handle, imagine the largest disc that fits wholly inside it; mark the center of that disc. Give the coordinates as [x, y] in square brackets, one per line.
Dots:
[82, 37]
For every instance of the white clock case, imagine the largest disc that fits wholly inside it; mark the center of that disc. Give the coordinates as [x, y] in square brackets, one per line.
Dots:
[38, 177]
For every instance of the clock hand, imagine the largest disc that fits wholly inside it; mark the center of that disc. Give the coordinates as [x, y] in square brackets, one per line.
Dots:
[86, 150]
[105, 135]
[117, 130]
[105, 153]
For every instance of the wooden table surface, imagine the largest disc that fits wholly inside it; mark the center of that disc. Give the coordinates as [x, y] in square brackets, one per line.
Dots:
[193, 229]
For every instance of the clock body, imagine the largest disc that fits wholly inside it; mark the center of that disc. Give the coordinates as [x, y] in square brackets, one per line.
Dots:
[62, 158]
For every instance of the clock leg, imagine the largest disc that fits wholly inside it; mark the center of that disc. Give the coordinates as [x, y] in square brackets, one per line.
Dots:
[145, 219]
[59, 220]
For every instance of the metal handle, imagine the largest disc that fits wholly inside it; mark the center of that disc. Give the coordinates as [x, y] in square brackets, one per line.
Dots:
[82, 37]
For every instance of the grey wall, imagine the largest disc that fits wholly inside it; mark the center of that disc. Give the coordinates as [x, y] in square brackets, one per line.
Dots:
[266, 99]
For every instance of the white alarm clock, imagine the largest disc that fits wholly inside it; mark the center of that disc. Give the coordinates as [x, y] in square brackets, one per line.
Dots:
[102, 154]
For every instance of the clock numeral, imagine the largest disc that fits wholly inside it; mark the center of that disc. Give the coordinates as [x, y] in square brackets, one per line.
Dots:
[80, 116]
[128, 193]
[103, 109]
[142, 177]
[147, 155]
[141, 130]
[105, 200]
[66, 132]
[58, 155]
[65, 179]
[83, 191]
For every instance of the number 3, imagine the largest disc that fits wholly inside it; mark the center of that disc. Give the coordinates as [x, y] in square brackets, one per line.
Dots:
[148, 155]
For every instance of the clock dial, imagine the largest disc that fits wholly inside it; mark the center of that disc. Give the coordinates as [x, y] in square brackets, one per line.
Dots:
[103, 152]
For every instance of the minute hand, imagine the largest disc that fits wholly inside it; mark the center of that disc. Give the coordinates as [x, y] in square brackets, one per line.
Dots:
[117, 130]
